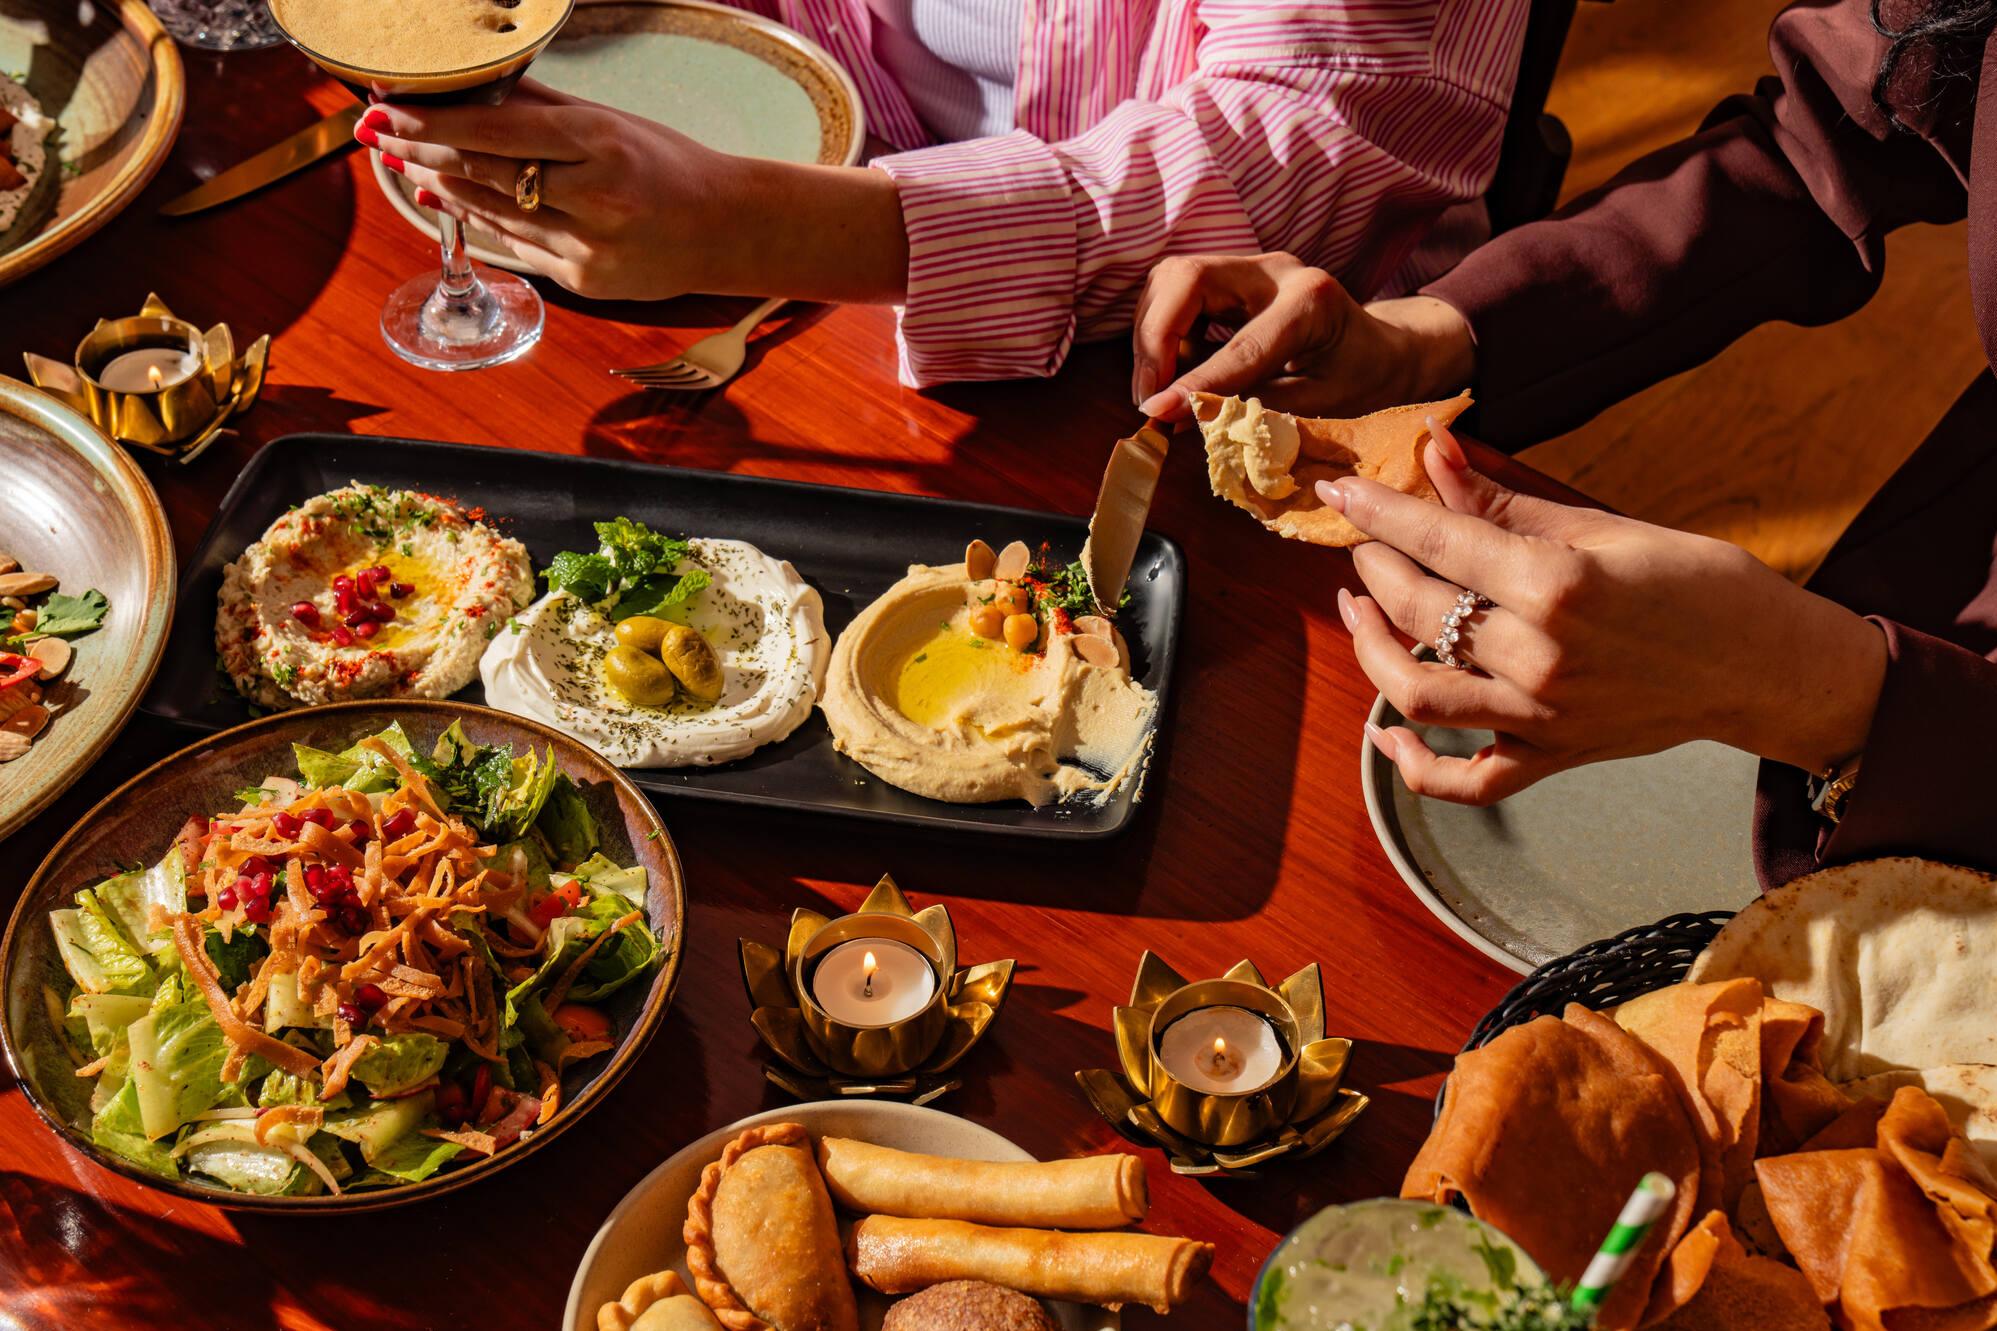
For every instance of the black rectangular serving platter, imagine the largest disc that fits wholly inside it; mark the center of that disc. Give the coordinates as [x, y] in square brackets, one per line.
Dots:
[849, 544]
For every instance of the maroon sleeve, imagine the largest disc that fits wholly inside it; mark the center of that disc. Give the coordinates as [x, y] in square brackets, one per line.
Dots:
[1776, 210]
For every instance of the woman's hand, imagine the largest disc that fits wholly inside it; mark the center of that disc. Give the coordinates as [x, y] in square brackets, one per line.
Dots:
[633, 210]
[1302, 343]
[1608, 637]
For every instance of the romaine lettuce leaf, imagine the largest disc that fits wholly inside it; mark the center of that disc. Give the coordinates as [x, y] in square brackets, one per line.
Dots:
[378, 1125]
[96, 952]
[118, 1128]
[177, 1056]
[105, 1017]
[567, 936]
[400, 1062]
[130, 898]
[411, 1159]
[566, 824]
[320, 768]
[236, 960]
[600, 876]
[284, 1010]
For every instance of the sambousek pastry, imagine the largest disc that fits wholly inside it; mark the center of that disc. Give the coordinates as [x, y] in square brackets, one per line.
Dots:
[1092, 1192]
[657, 1302]
[968, 1305]
[761, 1239]
[1269, 462]
[899, 1256]
[992, 679]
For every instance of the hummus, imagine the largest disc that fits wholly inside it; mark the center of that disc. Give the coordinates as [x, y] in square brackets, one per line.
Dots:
[1259, 446]
[925, 703]
[285, 640]
[765, 623]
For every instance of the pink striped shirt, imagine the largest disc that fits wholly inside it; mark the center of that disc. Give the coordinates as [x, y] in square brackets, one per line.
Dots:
[1335, 129]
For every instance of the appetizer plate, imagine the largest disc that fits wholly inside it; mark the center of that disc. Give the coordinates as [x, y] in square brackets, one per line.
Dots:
[1580, 856]
[643, 1234]
[137, 822]
[76, 505]
[111, 79]
[733, 81]
[849, 544]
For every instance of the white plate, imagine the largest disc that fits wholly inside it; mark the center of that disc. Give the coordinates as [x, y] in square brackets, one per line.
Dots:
[733, 81]
[1582, 855]
[643, 1234]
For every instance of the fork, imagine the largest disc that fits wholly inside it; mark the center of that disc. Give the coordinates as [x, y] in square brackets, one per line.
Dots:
[708, 363]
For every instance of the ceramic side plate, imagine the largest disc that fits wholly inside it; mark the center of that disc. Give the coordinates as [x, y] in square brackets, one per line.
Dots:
[72, 503]
[137, 822]
[728, 79]
[642, 1234]
[1580, 856]
[111, 79]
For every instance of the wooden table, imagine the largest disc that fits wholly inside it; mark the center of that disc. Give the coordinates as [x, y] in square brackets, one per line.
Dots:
[1253, 840]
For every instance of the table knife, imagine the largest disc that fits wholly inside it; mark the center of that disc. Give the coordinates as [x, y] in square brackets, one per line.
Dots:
[276, 162]
[1122, 505]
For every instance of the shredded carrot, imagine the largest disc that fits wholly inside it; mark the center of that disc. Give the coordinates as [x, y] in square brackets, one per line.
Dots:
[560, 989]
[187, 939]
[471, 1139]
[337, 1069]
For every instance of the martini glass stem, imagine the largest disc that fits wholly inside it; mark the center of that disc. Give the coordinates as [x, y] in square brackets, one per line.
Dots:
[459, 282]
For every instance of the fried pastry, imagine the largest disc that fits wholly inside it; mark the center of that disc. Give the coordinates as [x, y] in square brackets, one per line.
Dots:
[1269, 462]
[1093, 1192]
[897, 1256]
[761, 1239]
[968, 1305]
[657, 1302]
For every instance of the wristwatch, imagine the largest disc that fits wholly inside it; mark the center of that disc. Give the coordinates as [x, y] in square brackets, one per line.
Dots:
[1827, 789]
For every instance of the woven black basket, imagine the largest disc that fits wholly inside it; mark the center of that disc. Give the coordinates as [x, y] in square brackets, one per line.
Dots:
[1602, 974]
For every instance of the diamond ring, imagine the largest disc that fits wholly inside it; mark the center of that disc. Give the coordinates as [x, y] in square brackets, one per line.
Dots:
[1467, 604]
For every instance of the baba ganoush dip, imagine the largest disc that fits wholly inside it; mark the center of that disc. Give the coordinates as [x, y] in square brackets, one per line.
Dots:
[366, 592]
[764, 622]
[1370, 1266]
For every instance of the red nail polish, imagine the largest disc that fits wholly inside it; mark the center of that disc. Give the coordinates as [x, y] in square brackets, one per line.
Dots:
[425, 199]
[376, 119]
[392, 162]
[365, 133]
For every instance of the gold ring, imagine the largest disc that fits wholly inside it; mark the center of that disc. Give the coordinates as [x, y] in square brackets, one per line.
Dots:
[527, 187]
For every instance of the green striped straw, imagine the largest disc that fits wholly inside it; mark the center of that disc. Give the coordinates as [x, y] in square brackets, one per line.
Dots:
[1653, 1194]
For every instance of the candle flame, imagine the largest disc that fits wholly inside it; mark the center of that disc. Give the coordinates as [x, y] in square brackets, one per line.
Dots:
[867, 968]
[870, 965]
[152, 372]
[1219, 1047]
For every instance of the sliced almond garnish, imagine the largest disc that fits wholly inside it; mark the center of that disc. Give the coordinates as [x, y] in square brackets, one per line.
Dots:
[8, 563]
[12, 746]
[13, 699]
[1097, 651]
[28, 721]
[978, 561]
[54, 655]
[1097, 625]
[26, 584]
[1012, 562]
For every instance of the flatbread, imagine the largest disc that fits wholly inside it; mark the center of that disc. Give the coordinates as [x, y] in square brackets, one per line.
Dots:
[1900, 955]
[1967, 1093]
[1386, 446]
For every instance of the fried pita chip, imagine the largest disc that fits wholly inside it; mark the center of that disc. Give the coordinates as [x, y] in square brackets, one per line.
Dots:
[1712, 1283]
[1709, 1036]
[1269, 462]
[1574, 1110]
[1967, 1091]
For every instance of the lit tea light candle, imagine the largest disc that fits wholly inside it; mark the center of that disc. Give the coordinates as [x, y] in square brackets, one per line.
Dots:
[873, 982]
[148, 370]
[1222, 1050]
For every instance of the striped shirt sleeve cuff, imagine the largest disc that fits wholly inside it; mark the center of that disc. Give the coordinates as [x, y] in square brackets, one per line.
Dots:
[991, 260]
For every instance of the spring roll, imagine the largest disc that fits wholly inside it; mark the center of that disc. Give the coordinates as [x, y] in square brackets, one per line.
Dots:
[899, 1256]
[1093, 1192]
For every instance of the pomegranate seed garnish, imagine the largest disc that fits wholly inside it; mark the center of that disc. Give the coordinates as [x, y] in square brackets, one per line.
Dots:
[255, 865]
[367, 629]
[245, 885]
[262, 884]
[343, 635]
[353, 918]
[226, 898]
[352, 1015]
[323, 817]
[370, 997]
[343, 583]
[399, 824]
[360, 616]
[382, 611]
[285, 823]
[381, 573]
[305, 613]
[257, 910]
[401, 589]
[359, 827]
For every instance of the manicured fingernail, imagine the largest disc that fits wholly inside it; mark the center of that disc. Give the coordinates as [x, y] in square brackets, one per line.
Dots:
[1159, 405]
[1446, 446]
[393, 163]
[1331, 496]
[425, 199]
[1348, 610]
[375, 119]
[1383, 742]
[1143, 382]
[365, 133]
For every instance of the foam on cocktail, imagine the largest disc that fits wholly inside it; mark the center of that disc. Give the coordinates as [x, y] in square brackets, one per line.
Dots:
[418, 42]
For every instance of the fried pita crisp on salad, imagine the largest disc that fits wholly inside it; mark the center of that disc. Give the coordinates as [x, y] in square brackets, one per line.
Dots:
[368, 971]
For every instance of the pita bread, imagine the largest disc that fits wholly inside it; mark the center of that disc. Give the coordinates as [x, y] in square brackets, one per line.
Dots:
[1709, 1036]
[1386, 446]
[1712, 1284]
[1967, 1093]
[1900, 955]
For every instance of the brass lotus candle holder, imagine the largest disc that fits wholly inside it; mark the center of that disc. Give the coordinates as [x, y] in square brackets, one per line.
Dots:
[1218, 1107]
[845, 1008]
[156, 382]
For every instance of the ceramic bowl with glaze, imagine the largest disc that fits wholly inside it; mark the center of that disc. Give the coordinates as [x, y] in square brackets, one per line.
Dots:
[137, 822]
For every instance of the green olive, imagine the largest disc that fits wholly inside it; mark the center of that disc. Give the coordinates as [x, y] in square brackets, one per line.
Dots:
[692, 661]
[639, 677]
[642, 632]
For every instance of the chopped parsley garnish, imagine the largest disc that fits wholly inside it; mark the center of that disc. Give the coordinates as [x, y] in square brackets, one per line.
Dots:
[1068, 588]
[1448, 1306]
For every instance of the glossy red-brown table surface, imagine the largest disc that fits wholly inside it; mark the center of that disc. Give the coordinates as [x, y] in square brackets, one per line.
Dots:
[1253, 840]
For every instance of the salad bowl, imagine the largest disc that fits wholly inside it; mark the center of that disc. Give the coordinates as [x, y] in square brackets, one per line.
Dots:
[136, 825]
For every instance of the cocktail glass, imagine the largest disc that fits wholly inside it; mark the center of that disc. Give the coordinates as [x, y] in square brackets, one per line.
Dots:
[467, 317]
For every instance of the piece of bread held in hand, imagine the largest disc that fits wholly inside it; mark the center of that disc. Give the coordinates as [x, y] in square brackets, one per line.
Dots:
[1269, 462]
